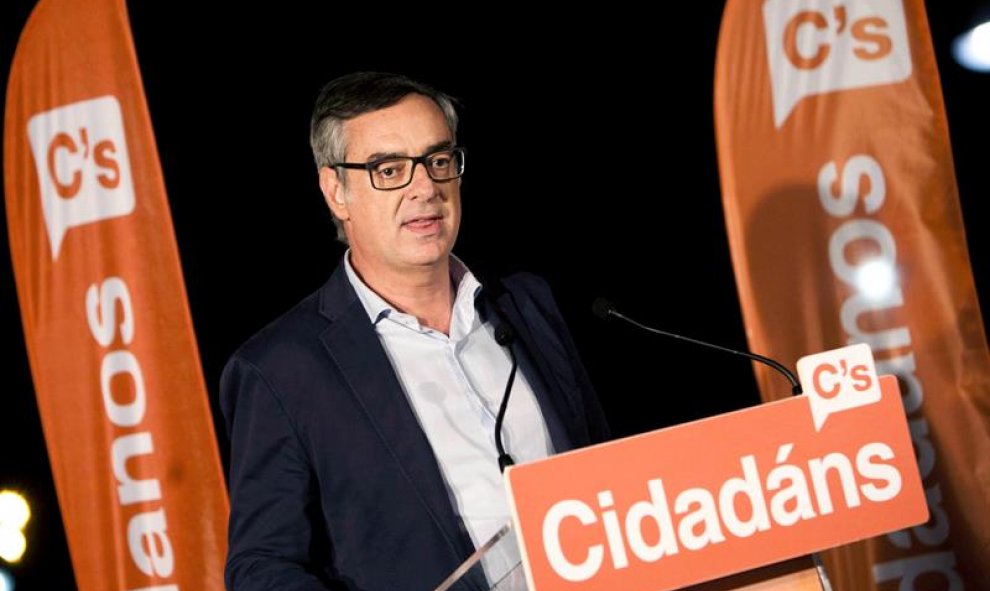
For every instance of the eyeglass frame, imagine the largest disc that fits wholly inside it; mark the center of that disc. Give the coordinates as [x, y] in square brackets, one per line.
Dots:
[369, 166]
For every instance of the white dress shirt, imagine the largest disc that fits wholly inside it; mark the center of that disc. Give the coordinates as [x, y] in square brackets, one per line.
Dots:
[455, 384]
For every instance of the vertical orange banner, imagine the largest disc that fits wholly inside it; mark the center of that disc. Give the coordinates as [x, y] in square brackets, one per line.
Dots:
[114, 360]
[844, 222]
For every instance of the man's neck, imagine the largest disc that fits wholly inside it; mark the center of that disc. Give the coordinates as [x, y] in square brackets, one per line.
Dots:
[424, 292]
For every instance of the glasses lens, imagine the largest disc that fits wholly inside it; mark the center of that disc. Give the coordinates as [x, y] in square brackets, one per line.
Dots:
[446, 164]
[389, 174]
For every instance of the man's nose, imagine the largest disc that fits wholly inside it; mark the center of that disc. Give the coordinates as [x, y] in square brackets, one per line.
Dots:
[422, 185]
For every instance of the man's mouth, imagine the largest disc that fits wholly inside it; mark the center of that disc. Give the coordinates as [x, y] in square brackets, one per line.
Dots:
[423, 223]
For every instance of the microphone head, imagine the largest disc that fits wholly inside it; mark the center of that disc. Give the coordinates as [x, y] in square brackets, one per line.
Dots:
[504, 334]
[602, 308]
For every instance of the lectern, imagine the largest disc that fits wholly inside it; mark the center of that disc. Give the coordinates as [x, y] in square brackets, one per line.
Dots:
[497, 566]
[741, 501]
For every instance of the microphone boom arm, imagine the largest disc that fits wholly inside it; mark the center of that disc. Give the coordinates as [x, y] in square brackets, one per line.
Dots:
[604, 309]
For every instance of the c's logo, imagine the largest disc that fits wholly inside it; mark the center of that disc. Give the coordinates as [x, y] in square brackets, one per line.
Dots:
[820, 46]
[839, 380]
[104, 158]
[869, 37]
[81, 158]
[827, 379]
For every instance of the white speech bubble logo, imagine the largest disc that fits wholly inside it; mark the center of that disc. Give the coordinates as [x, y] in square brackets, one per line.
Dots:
[839, 380]
[820, 46]
[84, 171]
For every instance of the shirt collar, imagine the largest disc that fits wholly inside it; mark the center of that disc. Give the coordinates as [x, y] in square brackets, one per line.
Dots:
[466, 291]
[464, 316]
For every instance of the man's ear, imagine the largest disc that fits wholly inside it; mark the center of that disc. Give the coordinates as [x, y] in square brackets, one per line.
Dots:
[333, 192]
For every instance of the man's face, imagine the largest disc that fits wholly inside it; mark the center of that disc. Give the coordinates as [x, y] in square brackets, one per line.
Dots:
[411, 227]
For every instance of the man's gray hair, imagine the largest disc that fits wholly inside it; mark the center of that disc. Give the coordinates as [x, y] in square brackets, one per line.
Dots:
[354, 94]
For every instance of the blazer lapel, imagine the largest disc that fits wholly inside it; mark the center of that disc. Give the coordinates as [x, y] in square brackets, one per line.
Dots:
[562, 418]
[355, 349]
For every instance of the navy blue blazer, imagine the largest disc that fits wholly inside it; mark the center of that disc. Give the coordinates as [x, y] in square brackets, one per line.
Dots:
[333, 484]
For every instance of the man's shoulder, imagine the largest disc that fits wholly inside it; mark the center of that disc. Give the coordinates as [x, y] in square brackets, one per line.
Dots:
[526, 283]
[528, 287]
[300, 324]
[298, 329]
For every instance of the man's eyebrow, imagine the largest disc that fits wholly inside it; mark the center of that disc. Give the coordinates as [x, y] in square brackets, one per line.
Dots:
[384, 155]
[429, 149]
[439, 146]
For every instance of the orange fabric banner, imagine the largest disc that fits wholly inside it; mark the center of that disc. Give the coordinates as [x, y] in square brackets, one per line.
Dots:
[844, 223]
[109, 336]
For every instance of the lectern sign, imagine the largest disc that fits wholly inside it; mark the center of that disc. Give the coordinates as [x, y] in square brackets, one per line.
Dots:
[726, 494]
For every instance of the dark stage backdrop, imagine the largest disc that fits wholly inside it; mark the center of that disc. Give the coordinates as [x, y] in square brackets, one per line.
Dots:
[591, 162]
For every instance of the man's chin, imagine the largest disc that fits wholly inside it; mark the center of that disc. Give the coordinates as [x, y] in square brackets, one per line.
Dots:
[429, 257]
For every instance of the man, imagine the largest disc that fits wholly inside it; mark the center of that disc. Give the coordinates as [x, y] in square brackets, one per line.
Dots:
[362, 422]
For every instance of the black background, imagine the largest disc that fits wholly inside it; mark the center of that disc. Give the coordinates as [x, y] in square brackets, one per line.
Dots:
[591, 162]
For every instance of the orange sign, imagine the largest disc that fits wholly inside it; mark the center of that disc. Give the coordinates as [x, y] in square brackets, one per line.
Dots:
[843, 216]
[718, 496]
[108, 332]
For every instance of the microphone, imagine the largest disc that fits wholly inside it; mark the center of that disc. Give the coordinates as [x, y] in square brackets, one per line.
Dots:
[504, 336]
[604, 309]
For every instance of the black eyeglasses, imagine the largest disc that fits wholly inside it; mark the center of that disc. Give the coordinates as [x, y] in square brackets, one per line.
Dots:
[395, 172]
